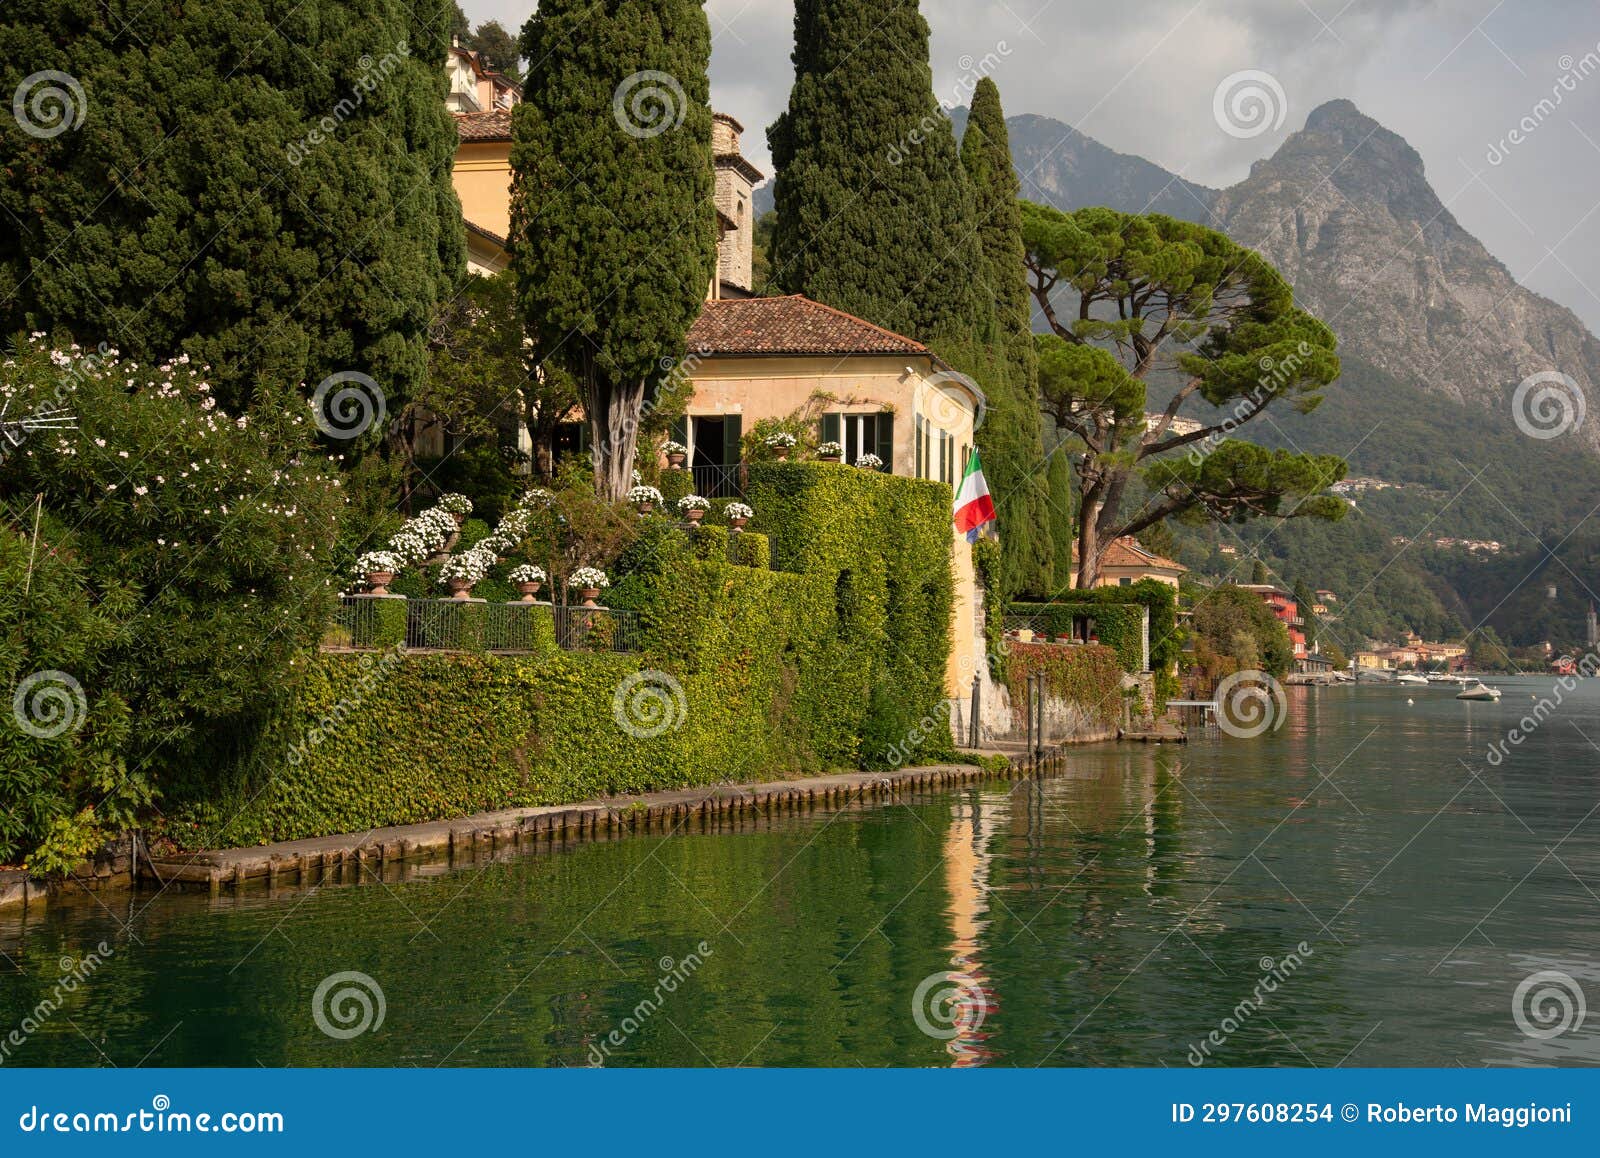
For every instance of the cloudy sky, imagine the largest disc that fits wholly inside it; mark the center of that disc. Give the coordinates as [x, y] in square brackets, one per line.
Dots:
[1454, 77]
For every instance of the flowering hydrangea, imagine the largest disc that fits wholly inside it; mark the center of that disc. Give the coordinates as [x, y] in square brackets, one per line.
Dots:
[644, 495]
[739, 511]
[694, 503]
[585, 577]
[455, 504]
[470, 565]
[783, 439]
[380, 562]
[674, 448]
[870, 462]
[830, 450]
[527, 573]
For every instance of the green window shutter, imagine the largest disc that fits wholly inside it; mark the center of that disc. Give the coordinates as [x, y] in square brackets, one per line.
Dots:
[916, 443]
[583, 437]
[732, 431]
[680, 430]
[885, 449]
[830, 428]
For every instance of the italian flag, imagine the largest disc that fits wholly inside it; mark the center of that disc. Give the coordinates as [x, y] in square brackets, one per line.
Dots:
[973, 506]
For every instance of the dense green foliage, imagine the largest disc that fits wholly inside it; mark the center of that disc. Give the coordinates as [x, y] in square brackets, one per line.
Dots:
[1090, 676]
[1129, 296]
[831, 661]
[204, 539]
[1118, 623]
[263, 184]
[875, 216]
[1235, 624]
[1009, 438]
[612, 218]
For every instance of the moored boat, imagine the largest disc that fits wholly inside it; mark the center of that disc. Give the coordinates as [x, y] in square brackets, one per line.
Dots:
[1477, 690]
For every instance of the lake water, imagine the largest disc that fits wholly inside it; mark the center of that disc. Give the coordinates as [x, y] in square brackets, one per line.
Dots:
[1361, 887]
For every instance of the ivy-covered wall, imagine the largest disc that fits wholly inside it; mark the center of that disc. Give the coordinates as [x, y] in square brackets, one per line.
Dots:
[1090, 678]
[1118, 626]
[829, 660]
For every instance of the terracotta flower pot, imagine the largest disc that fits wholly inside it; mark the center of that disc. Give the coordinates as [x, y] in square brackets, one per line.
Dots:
[737, 524]
[1063, 639]
[782, 453]
[529, 590]
[831, 457]
[645, 508]
[675, 461]
[379, 581]
[694, 515]
[460, 589]
[589, 595]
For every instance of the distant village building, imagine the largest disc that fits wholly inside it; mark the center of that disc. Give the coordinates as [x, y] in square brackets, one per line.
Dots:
[1283, 606]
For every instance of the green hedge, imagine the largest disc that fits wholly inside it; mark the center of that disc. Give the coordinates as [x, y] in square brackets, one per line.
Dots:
[1118, 626]
[1166, 637]
[831, 661]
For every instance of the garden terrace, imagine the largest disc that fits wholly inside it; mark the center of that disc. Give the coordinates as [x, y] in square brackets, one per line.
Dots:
[376, 622]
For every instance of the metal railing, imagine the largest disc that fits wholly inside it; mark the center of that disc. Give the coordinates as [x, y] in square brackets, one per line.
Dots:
[719, 482]
[364, 623]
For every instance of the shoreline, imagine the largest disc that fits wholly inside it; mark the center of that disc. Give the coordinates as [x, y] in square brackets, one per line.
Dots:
[399, 852]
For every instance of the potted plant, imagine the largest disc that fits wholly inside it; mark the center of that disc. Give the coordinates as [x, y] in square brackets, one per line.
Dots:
[869, 462]
[427, 537]
[587, 581]
[739, 514]
[379, 569]
[645, 499]
[676, 454]
[693, 507]
[461, 573]
[528, 579]
[458, 507]
[830, 452]
[781, 444]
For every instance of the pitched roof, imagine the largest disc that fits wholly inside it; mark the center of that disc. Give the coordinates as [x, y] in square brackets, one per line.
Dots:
[1126, 552]
[493, 125]
[789, 325]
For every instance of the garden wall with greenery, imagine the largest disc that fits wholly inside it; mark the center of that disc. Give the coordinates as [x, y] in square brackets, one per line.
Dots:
[1115, 611]
[827, 660]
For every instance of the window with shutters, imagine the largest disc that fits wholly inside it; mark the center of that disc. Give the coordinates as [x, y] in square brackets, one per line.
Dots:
[869, 434]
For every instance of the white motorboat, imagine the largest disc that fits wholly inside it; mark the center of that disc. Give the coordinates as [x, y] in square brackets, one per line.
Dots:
[1410, 679]
[1478, 690]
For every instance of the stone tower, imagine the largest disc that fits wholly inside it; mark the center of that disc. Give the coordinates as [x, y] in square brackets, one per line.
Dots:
[736, 181]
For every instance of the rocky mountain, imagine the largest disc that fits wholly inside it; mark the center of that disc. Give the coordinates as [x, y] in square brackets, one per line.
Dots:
[1344, 208]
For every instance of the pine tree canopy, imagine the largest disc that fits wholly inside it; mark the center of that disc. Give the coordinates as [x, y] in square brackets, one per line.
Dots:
[263, 184]
[613, 222]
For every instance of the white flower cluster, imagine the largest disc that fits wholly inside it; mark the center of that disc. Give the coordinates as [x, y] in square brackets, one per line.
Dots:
[379, 561]
[527, 573]
[588, 577]
[694, 503]
[423, 536]
[739, 511]
[455, 504]
[511, 530]
[537, 497]
[830, 450]
[869, 462]
[781, 439]
[644, 495]
[470, 565]
[674, 448]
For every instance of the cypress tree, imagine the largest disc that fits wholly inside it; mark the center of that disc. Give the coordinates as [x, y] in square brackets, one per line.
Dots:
[263, 184]
[874, 213]
[612, 219]
[1010, 439]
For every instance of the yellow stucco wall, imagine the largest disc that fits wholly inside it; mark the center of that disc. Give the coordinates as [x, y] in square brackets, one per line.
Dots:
[482, 178]
[758, 388]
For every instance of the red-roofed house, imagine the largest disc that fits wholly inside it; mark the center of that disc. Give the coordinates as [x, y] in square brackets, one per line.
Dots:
[1126, 562]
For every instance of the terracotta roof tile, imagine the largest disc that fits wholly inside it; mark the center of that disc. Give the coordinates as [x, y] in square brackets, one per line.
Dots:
[1126, 552]
[494, 125]
[790, 325]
